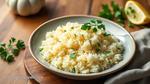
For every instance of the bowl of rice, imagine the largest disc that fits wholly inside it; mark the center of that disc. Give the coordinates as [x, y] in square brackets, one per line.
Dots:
[81, 47]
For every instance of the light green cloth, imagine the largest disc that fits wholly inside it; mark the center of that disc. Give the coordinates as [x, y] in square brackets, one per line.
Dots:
[138, 70]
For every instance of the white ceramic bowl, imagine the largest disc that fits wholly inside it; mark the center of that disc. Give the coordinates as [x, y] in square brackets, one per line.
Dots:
[39, 34]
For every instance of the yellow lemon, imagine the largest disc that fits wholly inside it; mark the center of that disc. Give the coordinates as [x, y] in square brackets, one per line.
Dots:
[136, 13]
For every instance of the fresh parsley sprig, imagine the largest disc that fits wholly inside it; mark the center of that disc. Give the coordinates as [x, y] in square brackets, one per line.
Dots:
[10, 50]
[72, 55]
[106, 12]
[93, 24]
[117, 13]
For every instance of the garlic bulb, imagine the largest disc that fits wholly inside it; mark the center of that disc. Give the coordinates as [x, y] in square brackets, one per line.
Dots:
[25, 7]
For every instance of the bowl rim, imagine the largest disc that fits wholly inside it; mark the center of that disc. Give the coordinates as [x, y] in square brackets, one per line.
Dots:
[107, 71]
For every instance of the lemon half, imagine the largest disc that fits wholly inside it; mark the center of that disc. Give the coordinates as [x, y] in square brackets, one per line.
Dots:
[136, 13]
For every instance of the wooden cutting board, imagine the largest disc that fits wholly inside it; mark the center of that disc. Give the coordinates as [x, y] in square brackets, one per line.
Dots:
[43, 76]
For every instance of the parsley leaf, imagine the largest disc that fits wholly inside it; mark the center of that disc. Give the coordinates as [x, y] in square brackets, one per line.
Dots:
[106, 12]
[85, 26]
[107, 52]
[93, 24]
[15, 51]
[106, 34]
[73, 70]
[20, 44]
[72, 55]
[2, 44]
[118, 13]
[3, 53]
[9, 58]
[8, 51]
[94, 30]
[40, 49]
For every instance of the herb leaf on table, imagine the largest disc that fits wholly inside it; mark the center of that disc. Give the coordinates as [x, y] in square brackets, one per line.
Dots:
[10, 50]
[106, 12]
[117, 13]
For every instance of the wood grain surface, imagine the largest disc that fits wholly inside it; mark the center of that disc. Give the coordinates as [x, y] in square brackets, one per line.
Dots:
[12, 25]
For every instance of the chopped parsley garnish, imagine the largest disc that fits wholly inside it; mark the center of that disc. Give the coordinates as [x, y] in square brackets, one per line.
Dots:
[94, 30]
[93, 24]
[8, 51]
[72, 56]
[106, 34]
[97, 49]
[107, 52]
[40, 49]
[73, 70]
[75, 35]
[72, 27]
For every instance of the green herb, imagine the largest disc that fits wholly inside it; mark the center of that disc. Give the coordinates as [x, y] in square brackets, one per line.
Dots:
[12, 40]
[73, 70]
[64, 30]
[94, 30]
[75, 35]
[72, 55]
[110, 63]
[2, 44]
[40, 49]
[9, 58]
[107, 52]
[20, 44]
[98, 44]
[106, 34]
[15, 51]
[97, 49]
[72, 27]
[130, 25]
[3, 53]
[8, 51]
[106, 13]
[144, 26]
[118, 13]
[86, 26]
[94, 25]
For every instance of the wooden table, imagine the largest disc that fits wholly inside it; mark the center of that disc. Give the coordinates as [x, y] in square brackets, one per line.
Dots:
[21, 27]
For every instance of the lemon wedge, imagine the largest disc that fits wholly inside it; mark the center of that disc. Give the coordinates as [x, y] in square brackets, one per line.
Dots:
[136, 13]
